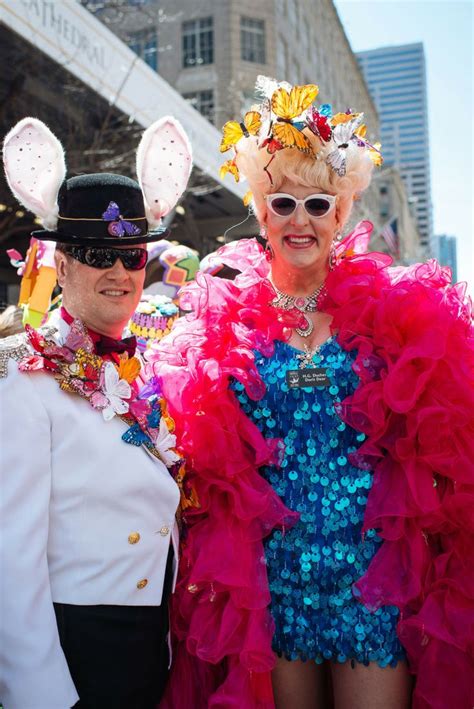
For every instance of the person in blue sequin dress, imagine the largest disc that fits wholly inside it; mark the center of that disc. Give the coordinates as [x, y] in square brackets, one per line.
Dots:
[301, 204]
[312, 566]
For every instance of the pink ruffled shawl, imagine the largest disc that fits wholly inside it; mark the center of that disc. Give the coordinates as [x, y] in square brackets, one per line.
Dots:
[412, 334]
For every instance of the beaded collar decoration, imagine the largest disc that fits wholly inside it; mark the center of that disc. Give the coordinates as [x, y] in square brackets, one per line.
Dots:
[287, 117]
[111, 387]
[301, 303]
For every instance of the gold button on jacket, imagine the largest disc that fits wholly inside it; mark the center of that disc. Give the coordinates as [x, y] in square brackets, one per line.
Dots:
[133, 538]
[142, 583]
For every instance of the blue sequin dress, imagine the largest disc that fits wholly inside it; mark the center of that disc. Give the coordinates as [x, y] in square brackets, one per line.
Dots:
[312, 567]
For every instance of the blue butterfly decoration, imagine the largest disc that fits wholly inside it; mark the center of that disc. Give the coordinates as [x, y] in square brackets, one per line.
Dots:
[325, 110]
[118, 226]
[135, 435]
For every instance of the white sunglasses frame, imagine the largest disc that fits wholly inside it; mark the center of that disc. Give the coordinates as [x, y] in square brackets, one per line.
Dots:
[331, 198]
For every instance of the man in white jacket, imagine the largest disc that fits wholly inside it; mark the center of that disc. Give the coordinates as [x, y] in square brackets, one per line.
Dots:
[87, 518]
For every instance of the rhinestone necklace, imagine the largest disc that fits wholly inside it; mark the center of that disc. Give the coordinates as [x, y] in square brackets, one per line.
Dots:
[303, 303]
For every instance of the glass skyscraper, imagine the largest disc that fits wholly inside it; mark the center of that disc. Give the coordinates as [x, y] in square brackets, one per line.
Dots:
[396, 78]
[446, 253]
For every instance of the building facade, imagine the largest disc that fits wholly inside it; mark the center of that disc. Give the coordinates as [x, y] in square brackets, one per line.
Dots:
[211, 52]
[399, 234]
[396, 77]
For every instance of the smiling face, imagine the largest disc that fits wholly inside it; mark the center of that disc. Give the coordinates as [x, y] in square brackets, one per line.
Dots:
[300, 241]
[104, 299]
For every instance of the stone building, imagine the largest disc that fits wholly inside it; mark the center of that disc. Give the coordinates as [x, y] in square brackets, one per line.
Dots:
[211, 52]
[398, 235]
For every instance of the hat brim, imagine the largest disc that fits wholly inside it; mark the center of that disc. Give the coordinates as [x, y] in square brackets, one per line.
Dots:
[156, 235]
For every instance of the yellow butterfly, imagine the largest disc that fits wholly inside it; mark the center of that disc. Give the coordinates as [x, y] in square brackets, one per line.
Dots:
[375, 154]
[291, 105]
[229, 166]
[247, 198]
[232, 131]
[287, 106]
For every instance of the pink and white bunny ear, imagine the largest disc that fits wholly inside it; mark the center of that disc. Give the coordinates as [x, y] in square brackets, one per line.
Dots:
[164, 162]
[35, 168]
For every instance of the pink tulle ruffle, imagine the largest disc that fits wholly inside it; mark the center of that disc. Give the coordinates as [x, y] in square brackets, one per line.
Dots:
[415, 404]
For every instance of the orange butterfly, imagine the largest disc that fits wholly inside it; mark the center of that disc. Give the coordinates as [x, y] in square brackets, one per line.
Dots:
[339, 118]
[287, 106]
[232, 131]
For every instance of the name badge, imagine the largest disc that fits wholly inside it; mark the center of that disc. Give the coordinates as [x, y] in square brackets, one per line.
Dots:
[311, 377]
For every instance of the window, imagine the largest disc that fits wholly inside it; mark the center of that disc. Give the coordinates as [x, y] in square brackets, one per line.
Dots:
[202, 101]
[144, 44]
[198, 42]
[252, 40]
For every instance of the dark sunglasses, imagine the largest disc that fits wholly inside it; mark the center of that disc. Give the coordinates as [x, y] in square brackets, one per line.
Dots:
[133, 259]
[316, 205]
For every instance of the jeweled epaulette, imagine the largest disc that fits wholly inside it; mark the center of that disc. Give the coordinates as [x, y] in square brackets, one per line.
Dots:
[14, 347]
[17, 346]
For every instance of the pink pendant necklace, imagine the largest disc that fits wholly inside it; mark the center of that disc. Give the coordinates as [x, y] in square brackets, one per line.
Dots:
[303, 303]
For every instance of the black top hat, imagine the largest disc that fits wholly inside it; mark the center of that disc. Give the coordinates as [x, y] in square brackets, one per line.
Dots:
[101, 209]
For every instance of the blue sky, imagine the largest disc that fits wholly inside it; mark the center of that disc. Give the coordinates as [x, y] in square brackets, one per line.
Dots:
[446, 29]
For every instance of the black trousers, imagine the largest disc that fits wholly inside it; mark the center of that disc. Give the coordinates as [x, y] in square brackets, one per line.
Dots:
[117, 655]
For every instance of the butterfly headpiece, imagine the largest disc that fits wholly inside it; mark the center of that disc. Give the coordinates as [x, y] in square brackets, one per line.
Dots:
[288, 118]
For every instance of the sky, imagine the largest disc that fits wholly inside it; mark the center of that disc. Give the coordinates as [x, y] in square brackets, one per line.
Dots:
[446, 29]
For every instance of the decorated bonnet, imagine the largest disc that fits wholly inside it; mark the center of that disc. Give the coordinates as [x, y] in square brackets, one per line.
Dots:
[288, 119]
[101, 208]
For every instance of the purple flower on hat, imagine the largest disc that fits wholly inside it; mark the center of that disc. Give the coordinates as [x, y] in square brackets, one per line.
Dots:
[118, 226]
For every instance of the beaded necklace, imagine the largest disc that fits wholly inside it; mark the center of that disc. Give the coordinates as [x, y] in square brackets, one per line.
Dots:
[302, 303]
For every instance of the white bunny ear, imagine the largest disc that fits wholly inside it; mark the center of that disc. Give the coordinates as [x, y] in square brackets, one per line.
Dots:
[164, 162]
[35, 168]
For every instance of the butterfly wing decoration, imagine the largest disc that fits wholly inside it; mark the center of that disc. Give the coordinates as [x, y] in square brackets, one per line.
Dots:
[290, 105]
[116, 390]
[342, 135]
[232, 131]
[319, 124]
[111, 213]
[116, 228]
[266, 119]
[272, 145]
[229, 166]
[247, 198]
[135, 436]
[130, 229]
[339, 118]
[375, 154]
[122, 227]
[165, 443]
[337, 160]
[290, 137]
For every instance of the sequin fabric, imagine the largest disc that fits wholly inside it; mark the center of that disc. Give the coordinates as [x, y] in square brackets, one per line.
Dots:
[312, 567]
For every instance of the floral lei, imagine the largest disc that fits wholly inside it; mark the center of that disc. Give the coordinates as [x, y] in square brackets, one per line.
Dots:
[110, 386]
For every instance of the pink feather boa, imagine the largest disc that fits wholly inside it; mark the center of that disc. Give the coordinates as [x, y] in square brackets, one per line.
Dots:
[414, 402]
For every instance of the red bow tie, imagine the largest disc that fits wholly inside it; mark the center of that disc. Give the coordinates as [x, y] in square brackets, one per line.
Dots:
[107, 345]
